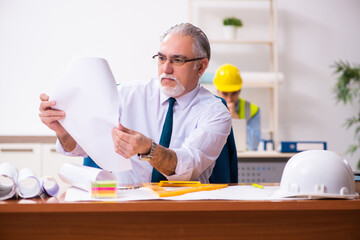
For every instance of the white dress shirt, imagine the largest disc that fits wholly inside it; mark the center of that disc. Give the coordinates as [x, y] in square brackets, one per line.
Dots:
[201, 125]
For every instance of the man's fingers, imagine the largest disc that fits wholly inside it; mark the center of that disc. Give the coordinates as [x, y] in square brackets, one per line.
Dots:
[121, 127]
[127, 142]
[126, 130]
[121, 146]
[49, 119]
[122, 150]
[121, 135]
[124, 143]
[45, 105]
[52, 113]
[44, 97]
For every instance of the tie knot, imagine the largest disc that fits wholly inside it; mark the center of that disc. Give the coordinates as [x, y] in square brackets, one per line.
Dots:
[171, 101]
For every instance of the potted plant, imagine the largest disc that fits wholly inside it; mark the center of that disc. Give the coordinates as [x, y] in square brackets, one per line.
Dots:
[230, 26]
[347, 91]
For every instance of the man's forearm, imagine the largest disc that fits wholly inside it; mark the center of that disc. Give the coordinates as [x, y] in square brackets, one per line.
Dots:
[67, 142]
[164, 160]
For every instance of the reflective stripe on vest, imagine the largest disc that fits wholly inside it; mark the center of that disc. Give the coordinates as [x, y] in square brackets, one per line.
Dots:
[246, 110]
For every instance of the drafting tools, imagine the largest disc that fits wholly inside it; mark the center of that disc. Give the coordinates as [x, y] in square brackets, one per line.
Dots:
[184, 187]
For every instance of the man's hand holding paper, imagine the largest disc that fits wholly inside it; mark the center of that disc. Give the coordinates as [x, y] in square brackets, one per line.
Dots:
[87, 93]
[128, 142]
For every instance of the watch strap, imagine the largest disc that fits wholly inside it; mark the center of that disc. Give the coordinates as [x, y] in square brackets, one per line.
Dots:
[150, 155]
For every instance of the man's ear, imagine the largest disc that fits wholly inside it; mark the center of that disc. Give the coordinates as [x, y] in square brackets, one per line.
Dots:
[203, 64]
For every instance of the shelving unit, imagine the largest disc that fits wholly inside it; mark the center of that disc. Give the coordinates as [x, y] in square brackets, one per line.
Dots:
[265, 79]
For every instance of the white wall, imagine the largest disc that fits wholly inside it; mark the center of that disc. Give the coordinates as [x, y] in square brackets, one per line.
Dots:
[38, 38]
[313, 35]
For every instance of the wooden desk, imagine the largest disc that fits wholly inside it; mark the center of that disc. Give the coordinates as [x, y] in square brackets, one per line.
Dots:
[301, 219]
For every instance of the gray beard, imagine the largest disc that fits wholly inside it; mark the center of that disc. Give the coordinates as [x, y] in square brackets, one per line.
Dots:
[172, 91]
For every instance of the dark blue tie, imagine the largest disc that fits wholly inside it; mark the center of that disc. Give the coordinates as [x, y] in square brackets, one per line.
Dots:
[165, 138]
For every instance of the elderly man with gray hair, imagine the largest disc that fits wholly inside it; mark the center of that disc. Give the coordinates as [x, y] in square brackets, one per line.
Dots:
[170, 127]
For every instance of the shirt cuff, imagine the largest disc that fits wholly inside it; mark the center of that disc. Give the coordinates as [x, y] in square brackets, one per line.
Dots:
[182, 171]
[77, 152]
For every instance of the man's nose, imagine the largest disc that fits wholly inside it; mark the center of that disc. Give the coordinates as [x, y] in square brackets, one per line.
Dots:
[227, 99]
[167, 67]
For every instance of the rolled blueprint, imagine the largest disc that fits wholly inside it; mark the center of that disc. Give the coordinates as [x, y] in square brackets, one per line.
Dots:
[50, 186]
[8, 179]
[81, 176]
[29, 185]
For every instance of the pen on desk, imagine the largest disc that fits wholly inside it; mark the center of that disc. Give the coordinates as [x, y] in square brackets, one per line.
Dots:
[127, 187]
[257, 185]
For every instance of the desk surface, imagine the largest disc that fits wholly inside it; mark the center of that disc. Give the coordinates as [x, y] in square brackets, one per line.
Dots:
[295, 219]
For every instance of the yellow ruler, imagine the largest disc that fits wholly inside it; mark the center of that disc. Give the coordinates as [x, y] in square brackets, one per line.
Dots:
[186, 187]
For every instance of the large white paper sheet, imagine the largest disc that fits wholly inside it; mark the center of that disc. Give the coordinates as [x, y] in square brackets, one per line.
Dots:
[229, 193]
[87, 93]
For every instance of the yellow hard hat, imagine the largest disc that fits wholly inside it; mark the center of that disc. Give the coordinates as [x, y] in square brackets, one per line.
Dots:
[227, 78]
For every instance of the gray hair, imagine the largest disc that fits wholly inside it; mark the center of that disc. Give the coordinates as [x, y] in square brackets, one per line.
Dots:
[201, 46]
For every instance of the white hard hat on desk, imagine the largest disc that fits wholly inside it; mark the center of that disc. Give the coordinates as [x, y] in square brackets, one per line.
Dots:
[317, 174]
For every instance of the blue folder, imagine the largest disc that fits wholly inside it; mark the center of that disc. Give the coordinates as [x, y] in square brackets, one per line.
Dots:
[299, 146]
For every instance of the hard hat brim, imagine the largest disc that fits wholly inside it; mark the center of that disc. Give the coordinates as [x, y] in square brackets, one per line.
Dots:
[310, 195]
[229, 88]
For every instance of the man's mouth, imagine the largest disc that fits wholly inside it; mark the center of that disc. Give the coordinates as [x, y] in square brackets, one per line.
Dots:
[167, 80]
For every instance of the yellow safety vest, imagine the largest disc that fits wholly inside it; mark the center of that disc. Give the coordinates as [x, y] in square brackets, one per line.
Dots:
[246, 110]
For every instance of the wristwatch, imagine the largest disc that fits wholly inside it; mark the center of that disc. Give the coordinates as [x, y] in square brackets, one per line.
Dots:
[148, 157]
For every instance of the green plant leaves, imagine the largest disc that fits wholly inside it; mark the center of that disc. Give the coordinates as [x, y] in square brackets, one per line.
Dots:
[347, 90]
[347, 87]
[232, 21]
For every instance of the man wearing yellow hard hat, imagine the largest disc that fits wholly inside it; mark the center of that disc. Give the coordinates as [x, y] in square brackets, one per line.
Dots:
[228, 83]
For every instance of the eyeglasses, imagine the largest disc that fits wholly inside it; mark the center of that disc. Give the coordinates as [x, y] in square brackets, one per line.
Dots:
[176, 61]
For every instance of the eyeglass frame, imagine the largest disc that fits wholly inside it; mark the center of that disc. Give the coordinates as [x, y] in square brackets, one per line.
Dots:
[171, 60]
